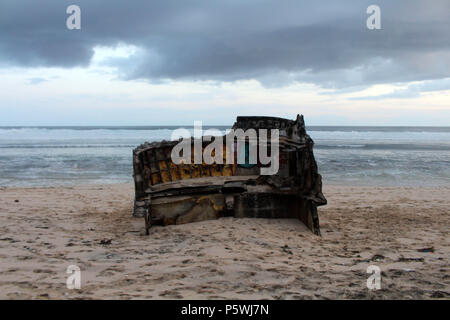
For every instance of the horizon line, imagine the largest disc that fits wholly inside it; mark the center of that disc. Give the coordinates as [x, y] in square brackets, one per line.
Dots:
[207, 125]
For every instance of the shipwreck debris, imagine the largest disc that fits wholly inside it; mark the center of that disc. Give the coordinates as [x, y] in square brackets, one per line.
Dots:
[169, 193]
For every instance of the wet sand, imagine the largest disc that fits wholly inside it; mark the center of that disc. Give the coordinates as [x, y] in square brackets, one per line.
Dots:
[404, 231]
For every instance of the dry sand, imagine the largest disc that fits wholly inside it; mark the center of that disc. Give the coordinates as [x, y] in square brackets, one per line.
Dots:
[49, 229]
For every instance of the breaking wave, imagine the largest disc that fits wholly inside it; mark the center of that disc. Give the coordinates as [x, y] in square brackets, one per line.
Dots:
[39, 156]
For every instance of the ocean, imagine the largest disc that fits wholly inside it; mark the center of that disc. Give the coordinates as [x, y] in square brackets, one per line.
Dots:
[366, 156]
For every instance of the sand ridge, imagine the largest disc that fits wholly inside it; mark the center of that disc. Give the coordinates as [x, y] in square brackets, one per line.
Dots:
[44, 230]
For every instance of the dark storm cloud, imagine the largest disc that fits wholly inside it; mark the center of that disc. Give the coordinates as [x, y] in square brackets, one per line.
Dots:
[275, 42]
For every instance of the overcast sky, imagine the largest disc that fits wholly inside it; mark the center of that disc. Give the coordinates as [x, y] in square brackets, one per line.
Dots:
[159, 62]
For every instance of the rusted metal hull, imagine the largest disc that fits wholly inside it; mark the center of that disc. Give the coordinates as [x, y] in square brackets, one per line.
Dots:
[167, 193]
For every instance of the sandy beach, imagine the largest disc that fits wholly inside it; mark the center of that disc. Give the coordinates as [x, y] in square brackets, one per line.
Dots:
[402, 230]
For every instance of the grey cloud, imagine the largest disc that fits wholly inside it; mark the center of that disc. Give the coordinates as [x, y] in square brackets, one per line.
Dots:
[396, 94]
[275, 42]
[36, 80]
[412, 91]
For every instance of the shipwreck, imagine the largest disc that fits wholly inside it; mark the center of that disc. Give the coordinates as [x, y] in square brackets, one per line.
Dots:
[169, 192]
